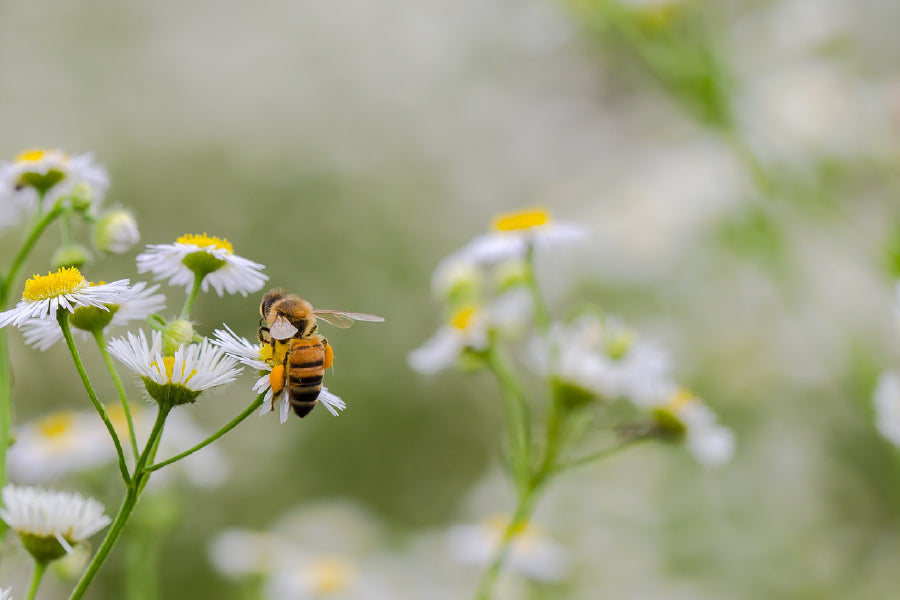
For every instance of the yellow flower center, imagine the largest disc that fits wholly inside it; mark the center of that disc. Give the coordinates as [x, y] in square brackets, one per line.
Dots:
[526, 219]
[332, 575]
[56, 425]
[169, 363]
[32, 155]
[463, 318]
[205, 240]
[64, 281]
[678, 401]
[265, 353]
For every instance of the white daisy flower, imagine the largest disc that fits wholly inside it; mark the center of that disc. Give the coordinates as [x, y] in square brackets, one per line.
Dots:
[210, 257]
[259, 356]
[680, 413]
[178, 379]
[58, 444]
[887, 406]
[134, 304]
[53, 173]
[40, 516]
[239, 553]
[310, 576]
[468, 328]
[603, 357]
[513, 233]
[532, 553]
[66, 289]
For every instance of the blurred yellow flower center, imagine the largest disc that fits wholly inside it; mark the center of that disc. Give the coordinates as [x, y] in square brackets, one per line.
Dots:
[169, 363]
[119, 420]
[462, 319]
[525, 219]
[678, 401]
[32, 155]
[205, 241]
[56, 425]
[523, 533]
[64, 281]
[332, 575]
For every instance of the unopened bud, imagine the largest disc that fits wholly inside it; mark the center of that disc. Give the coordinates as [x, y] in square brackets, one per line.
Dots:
[175, 334]
[70, 255]
[81, 196]
[116, 232]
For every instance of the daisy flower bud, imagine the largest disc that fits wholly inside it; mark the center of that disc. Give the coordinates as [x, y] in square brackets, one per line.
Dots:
[50, 522]
[177, 333]
[116, 232]
[70, 255]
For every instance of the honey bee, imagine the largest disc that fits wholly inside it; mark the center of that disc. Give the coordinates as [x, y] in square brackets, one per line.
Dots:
[288, 324]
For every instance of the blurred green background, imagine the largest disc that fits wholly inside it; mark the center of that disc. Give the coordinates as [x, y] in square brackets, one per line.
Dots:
[736, 162]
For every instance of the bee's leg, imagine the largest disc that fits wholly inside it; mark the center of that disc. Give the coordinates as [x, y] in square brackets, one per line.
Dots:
[264, 336]
[329, 354]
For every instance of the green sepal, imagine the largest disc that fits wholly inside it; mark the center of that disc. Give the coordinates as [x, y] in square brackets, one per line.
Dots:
[169, 395]
[92, 318]
[42, 182]
[202, 263]
[44, 549]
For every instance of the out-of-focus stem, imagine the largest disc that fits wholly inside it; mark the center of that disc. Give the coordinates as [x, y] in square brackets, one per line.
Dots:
[101, 343]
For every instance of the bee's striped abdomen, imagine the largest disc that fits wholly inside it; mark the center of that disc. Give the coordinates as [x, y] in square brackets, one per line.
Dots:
[305, 370]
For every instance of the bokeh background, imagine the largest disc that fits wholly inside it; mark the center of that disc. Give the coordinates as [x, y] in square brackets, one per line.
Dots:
[735, 160]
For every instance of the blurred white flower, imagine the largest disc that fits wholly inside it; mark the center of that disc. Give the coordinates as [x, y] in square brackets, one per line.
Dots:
[311, 577]
[532, 553]
[57, 444]
[887, 406]
[54, 174]
[259, 356]
[239, 553]
[206, 468]
[135, 303]
[682, 414]
[6, 594]
[514, 233]
[212, 257]
[468, 328]
[602, 356]
[66, 289]
[40, 515]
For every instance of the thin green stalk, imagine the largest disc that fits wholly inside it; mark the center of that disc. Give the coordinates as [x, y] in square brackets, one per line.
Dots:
[516, 416]
[26, 249]
[40, 567]
[62, 317]
[541, 313]
[231, 425]
[101, 343]
[65, 229]
[132, 493]
[523, 512]
[605, 453]
[189, 301]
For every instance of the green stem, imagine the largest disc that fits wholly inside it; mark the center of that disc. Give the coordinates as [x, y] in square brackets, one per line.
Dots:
[62, 317]
[523, 512]
[189, 301]
[66, 229]
[516, 416]
[30, 241]
[541, 313]
[231, 425]
[40, 567]
[101, 343]
[605, 453]
[132, 493]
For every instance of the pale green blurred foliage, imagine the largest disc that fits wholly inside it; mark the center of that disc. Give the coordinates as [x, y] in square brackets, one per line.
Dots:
[349, 146]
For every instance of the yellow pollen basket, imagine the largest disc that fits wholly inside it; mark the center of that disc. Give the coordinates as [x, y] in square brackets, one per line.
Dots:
[204, 241]
[169, 362]
[463, 318]
[64, 281]
[526, 219]
[56, 425]
[332, 575]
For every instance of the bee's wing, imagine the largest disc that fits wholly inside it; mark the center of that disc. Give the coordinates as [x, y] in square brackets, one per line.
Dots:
[344, 319]
[282, 329]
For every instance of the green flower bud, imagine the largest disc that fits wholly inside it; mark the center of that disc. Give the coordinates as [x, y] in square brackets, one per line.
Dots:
[116, 232]
[92, 318]
[70, 255]
[175, 334]
[81, 197]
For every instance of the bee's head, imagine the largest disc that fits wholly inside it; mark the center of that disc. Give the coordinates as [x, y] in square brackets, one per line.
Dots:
[271, 297]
